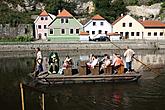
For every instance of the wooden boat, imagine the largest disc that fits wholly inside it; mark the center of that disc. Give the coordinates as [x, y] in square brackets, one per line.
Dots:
[50, 79]
[80, 75]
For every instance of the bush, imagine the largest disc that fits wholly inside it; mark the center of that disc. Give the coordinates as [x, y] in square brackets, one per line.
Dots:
[24, 38]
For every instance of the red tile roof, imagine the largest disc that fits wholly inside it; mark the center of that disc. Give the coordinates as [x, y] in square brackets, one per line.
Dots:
[117, 20]
[97, 17]
[44, 13]
[64, 13]
[113, 34]
[84, 33]
[152, 23]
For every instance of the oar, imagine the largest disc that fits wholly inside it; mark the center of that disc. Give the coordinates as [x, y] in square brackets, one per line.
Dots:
[138, 60]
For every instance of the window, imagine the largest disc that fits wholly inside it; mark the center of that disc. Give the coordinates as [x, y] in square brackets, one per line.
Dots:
[77, 31]
[100, 31]
[93, 32]
[149, 33]
[87, 31]
[66, 20]
[71, 31]
[161, 33]
[51, 31]
[44, 26]
[130, 24]
[101, 23]
[62, 31]
[45, 34]
[94, 23]
[42, 18]
[123, 24]
[39, 26]
[121, 33]
[46, 18]
[137, 33]
[132, 33]
[62, 20]
[155, 33]
[106, 32]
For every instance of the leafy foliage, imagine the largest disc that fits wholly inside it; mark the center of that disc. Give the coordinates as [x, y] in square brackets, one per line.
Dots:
[110, 10]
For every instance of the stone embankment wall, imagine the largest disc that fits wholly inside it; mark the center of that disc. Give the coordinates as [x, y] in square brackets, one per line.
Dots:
[139, 44]
[6, 30]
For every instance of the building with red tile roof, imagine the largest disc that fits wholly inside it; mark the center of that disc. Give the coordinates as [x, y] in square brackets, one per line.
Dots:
[97, 26]
[64, 27]
[130, 28]
[41, 24]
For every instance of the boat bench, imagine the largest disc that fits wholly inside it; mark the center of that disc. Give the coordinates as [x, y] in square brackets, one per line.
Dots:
[95, 70]
[82, 67]
[120, 69]
[68, 71]
[108, 70]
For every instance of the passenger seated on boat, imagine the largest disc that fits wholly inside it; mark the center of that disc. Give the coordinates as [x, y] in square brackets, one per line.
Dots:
[92, 63]
[104, 63]
[67, 62]
[117, 63]
[53, 63]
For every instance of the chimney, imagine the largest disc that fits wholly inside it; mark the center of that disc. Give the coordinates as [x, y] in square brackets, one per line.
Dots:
[59, 11]
[144, 18]
[122, 15]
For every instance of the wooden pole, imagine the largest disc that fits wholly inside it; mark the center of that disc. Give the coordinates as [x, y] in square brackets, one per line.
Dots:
[22, 96]
[43, 107]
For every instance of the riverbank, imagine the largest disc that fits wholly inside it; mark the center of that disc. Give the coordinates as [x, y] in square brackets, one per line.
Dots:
[77, 45]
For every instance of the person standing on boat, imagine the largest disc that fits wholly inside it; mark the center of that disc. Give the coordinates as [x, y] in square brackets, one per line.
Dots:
[129, 54]
[39, 67]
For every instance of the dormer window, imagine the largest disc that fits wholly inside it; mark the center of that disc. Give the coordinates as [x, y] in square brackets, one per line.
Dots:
[46, 18]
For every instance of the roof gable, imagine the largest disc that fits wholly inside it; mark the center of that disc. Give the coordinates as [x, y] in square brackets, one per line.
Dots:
[97, 17]
[117, 20]
[64, 13]
[44, 13]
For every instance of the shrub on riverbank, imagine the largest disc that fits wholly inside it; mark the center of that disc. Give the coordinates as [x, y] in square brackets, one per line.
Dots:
[16, 39]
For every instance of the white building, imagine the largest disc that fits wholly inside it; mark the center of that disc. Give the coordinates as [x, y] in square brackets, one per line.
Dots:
[97, 26]
[41, 24]
[130, 28]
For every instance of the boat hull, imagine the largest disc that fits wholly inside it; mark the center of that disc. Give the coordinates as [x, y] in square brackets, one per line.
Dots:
[61, 79]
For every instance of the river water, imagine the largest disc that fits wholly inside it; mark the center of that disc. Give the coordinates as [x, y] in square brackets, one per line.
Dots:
[146, 94]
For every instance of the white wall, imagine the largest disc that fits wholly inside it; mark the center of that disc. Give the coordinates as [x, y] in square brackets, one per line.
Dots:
[105, 27]
[42, 31]
[136, 27]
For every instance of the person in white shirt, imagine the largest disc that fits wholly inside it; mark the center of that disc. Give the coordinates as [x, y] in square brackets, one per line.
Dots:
[94, 62]
[129, 54]
[39, 60]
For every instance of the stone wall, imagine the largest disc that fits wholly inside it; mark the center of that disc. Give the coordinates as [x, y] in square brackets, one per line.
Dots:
[6, 30]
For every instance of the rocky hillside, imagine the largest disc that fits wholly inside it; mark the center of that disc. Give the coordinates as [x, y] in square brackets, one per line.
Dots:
[20, 11]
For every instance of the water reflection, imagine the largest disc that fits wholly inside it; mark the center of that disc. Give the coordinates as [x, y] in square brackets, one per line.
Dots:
[144, 95]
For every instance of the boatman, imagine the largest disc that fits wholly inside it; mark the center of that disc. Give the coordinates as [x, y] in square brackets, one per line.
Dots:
[39, 67]
[129, 54]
